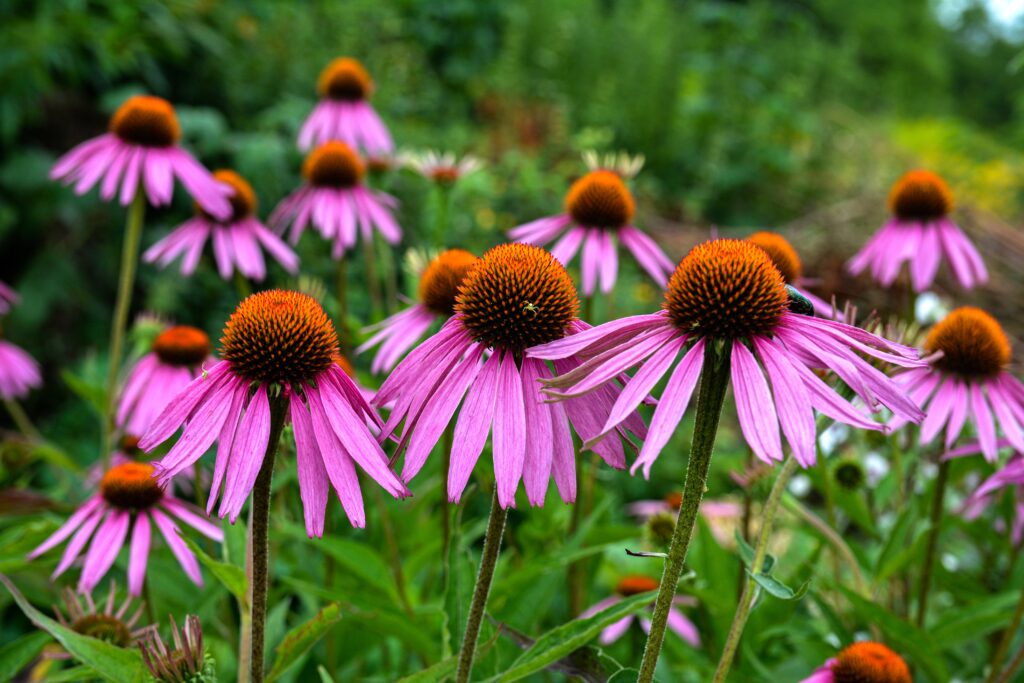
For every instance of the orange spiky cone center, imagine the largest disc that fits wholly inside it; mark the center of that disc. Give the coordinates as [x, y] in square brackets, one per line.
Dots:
[782, 254]
[333, 164]
[182, 346]
[131, 486]
[869, 663]
[972, 342]
[439, 284]
[146, 120]
[601, 200]
[920, 195]
[345, 79]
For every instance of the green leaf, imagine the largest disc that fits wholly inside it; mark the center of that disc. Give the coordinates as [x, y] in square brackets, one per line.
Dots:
[73, 675]
[625, 676]
[973, 622]
[778, 589]
[902, 636]
[230, 576]
[434, 673]
[325, 677]
[110, 662]
[562, 640]
[747, 555]
[359, 559]
[302, 638]
[894, 553]
[93, 394]
[15, 655]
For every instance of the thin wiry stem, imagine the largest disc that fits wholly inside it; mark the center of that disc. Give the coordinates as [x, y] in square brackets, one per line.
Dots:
[1006, 640]
[933, 542]
[126, 282]
[714, 381]
[22, 421]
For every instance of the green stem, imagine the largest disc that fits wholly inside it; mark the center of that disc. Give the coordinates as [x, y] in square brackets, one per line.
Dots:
[1012, 667]
[242, 285]
[373, 284]
[1006, 640]
[126, 282]
[259, 538]
[446, 530]
[714, 381]
[245, 612]
[22, 421]
[341, 292]
[577, 570]
[834, 539]
[387, 264]
[739, 619]
[488, 562]
[444, 197]
[588, 309]
[197, 484]
[933, 542]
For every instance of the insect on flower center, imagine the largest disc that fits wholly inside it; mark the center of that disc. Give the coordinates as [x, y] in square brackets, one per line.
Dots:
[439, 284]
[601, 200]
[131, 486]
[345, 79]
[104, 627]
[635, 584]
[333, 164]
[146, 120]
[726, 289]
[781, 252]
[869, 663]
[517, 296]
[243, 199]
[920, 195]
[279, 336]
[973, 344]
[182, 346]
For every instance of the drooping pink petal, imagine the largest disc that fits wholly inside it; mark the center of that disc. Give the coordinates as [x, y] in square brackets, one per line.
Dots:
[472, 427]
[184, 404]
[193, 518]
[983, 423]
[758, 420]
[247, 454]
[310, 466]
[792, 402]
[79, 540]
[187, 560]
[509, 426]
[66, 529]
[338, 463]
[539, 434]
[139, 553]
[104, 549]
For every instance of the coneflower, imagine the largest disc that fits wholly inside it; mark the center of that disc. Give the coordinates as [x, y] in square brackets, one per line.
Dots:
[344, 112]
[635, 584]
[920, 233]
[863, 662]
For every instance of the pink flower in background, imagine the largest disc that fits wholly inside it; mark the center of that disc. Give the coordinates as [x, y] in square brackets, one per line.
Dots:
[729, 291]
[720, 514]
[864, 661]
[968, 379]
[177, 358]
[278, 346]
[1010, 476]
[785, 258]
[438, 288]
[8, 299]
[141, 153]
[634, 585]
[335, 201]
[920, 233]
[599, 211]
[19, 372]
[238, 241]
[128, 502]
[515, 297]
[344, 112]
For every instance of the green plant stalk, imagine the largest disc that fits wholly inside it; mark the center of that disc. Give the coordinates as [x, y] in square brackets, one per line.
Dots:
[714, 381]
[259, 539]
[446, 531]
[576, 573]
[373, 283]
[739, 620]
[488, 562]
[1006, 640]
[1012, 667]
[444, 200]
[126, 282]
[341, 292]
[933, 542]
[244, 613]
[834, 539]
[242, 285]
[22, 421]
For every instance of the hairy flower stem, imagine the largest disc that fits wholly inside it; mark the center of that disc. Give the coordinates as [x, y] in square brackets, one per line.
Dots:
[714, 380]
[126, 282]
[488, 562]
[933, 542]
[1006, 640]
[739, 620]
[259, 538]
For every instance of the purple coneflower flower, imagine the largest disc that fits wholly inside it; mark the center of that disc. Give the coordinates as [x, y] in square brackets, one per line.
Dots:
[8, 298]
[238, 241]
[442, 168]
[599, 210]
[438, 287]
[116, 627]
[728, 291]
[920, 233]
[517, 296]
[785, 258]
[344, 112]
[177, 358]
[720, 515]
[967, 379]
[864, 662]
[1010, 476]
[634, 585]
[129, 499]
[139, 153]
[278, 345]
[335, 200]
[19, 372]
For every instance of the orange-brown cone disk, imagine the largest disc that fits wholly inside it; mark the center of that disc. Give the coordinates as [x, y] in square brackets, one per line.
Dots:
[517, 296]
[601, 200]
[131, 486]
[243, 199]
[182, 345]
[146, 120]
[333, 164]
[973, 344]
[279, 336]
[635, 584]
[726, 289]
[674, 499]
[781, 252]
[869, 663]
[345, 79]
[105, 627]
[439, 284]
[920, 195]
